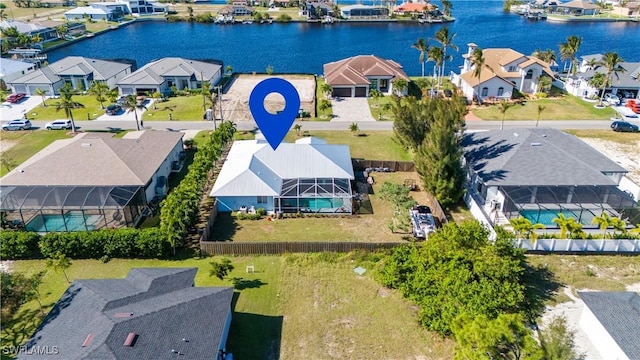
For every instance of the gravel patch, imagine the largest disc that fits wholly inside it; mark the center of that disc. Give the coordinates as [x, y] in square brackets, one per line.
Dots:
[623, 154]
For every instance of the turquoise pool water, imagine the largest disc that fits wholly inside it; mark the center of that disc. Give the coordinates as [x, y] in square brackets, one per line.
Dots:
[321, 203]
[545, 217]
[55, 222]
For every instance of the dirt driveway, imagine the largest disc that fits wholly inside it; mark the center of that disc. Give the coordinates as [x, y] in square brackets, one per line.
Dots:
[235, 102]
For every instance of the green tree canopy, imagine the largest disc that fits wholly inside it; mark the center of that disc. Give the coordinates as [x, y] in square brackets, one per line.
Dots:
[458, 271]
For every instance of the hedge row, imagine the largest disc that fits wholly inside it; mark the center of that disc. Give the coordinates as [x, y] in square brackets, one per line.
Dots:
[178, 212]
[115, 243]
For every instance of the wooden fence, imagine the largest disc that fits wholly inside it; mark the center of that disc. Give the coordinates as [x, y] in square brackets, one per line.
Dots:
[436, 209]
[361, 164]
[278, 248]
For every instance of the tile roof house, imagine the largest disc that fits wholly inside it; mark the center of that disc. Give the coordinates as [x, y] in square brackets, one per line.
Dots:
[90, 172]
[236, 10]
[161, 75]
[578, 7]
[505, 71]
[307, 176]
[356, 76]
[153, 313]
[626, 84]
[537, 173]
[417, 7]
[80, 71]
[612, 323]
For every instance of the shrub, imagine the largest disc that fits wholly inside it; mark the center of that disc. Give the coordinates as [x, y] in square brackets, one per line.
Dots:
[283, 18]
[16, 245]
[541, 95]
[261, 212]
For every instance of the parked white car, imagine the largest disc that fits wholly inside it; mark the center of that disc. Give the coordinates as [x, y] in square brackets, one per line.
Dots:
[59, 125]
[611, 99]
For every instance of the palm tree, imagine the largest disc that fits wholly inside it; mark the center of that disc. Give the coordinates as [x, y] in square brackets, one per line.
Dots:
[540, 110]
[297, 128]
[446, 40]
[503, 107]
[423, 47]
[592, 63]
[155, 96]
[326, 89]
[229, 69]
[131, 104]
[100, 89]
[446, 7]
[569, 49]
[36, 39]
[611, 61]
[603, 221]
[478, 63]
[562, 222]
[62, 30]
[598, 80]
[59, 262]
[354, 128]
[437, 56]
[42, 94]
[3, 15]
[67, 104]
[548, 55]
[544, 84]
[524, 229]
[619, 225]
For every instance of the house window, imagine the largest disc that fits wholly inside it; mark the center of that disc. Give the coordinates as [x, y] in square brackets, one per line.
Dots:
[485, 91]
[500, 91]
[529, 74]
[374, 84]
[262, 199]
[512, 68]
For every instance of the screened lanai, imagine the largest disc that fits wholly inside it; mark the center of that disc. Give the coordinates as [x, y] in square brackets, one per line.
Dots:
[70, 208]
[541, 204]
[317, 195]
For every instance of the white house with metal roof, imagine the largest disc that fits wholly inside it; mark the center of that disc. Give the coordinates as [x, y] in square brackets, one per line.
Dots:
[306, 176]
[626, 84]
[79, 71]
[539, 173]
[611, 320]
[161, 75]
[13, 69]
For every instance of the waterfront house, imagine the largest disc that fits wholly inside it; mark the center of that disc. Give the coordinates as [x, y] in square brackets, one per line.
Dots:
[578, 8]
[153, 313]
[236, 10]
[91, 181]
[364, 12]
[631, 9]
[79, 71]
[538, 173]
[611, 321]
[357, 76]
[33, 28]
[164, 74]
[626, 84]
[144, 7]
[413, 8]
[306, 176]
[505, 71]
[97, 11]
[12, 69]
[318, 10]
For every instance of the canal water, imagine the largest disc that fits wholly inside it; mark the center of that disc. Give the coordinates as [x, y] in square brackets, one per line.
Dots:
[304, 48]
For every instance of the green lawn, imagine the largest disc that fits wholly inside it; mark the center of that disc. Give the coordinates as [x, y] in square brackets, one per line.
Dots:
[27, 143]
[90, 110]
[187, 108]
[609, 135]
[292, 307]
[565, 108]
[326, 114]
[377, 107]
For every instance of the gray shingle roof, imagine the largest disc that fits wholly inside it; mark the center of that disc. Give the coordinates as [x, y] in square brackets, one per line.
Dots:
[619, 313]
[163, 306]
[536, 157]
[153, 73]
[126, 161]
[74, 66]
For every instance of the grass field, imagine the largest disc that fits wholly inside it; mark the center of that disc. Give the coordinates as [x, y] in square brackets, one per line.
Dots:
[188, 108]
[27, 143]
[326, 114]
[91, 109]
[310, 306]
[566, 108]
[621, 138]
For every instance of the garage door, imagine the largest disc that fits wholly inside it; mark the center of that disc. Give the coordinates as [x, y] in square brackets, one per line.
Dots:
[19, 88]
[342, 92]
[361, 92]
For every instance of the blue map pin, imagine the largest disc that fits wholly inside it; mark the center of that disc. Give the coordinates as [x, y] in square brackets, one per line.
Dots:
[274, 127]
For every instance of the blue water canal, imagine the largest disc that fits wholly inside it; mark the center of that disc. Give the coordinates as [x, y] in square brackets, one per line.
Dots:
[303, 48]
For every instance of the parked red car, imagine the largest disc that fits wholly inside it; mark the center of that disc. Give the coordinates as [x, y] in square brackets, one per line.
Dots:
[14, 98]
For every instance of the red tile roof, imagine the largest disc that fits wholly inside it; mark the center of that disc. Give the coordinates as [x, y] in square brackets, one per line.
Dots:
[355, 70]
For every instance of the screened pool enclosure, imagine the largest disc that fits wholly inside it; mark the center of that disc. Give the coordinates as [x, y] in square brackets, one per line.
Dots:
[70, 208]
[314, 195]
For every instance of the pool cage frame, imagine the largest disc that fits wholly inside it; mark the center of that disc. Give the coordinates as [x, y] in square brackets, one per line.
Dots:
[96, 206]
[586, 202]
[295, 195]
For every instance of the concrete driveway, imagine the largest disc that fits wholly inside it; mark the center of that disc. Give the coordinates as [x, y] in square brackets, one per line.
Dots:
[351, 110]
[16, 111]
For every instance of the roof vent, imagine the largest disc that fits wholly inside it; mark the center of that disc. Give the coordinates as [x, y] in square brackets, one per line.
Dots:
[87, 341]
[85, 145]
[123, 314]
[131, 338]
[536, 144]
[516, 134]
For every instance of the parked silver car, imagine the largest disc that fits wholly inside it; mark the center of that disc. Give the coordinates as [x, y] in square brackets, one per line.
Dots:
[17, 125]
[59, 125]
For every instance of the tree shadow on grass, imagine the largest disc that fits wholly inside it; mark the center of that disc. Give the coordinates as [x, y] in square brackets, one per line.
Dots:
[224, 227]
[241, 284]
[254, 336]
[541, 286]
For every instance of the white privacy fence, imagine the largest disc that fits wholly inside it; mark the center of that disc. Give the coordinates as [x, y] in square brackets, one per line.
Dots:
[573, 245]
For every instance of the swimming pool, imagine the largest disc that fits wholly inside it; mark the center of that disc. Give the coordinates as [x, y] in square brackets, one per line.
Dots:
[317, 204]
[75, 221]
[546, 216]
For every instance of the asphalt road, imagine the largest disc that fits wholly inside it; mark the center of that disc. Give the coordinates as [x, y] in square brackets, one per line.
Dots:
[327, 125]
